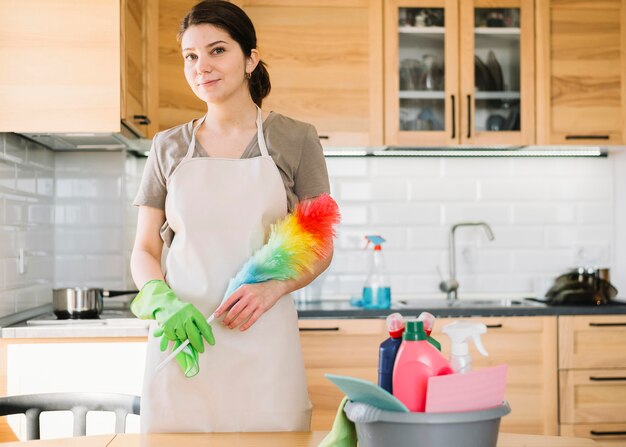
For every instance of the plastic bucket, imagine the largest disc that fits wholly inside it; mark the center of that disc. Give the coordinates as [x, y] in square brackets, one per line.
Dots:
[376, 428]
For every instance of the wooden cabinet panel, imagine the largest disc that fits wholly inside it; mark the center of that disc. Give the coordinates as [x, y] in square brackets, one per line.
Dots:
[527, 345]
[606, 435]
[60, 66]
[592, 342]
[344, 347]
[324, 60]
[593, 395]
[580, 76]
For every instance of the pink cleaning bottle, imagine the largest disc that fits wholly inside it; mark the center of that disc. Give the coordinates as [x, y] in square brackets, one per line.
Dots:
[417, 360]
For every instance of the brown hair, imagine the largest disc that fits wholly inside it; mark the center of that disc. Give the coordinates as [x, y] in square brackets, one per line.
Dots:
[232, 19]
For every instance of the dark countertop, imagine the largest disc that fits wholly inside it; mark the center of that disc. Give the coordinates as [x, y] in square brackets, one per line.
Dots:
[462, 308]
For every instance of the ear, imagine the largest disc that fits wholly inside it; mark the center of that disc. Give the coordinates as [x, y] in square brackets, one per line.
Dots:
[252, 61]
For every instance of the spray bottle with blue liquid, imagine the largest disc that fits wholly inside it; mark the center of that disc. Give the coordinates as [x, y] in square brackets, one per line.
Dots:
[376, 290]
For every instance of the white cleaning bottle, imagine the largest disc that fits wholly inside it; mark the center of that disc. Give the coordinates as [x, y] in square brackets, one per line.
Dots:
[459, 332]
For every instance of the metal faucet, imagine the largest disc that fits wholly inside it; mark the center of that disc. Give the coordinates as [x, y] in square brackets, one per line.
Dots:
[451, 285]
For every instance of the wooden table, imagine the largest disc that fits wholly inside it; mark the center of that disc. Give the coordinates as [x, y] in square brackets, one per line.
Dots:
[299, 439]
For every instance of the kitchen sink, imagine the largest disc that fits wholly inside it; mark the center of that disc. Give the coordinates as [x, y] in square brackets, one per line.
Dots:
[466, 303]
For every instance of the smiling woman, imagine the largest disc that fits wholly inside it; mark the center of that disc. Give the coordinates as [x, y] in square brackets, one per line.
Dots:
[211, 189]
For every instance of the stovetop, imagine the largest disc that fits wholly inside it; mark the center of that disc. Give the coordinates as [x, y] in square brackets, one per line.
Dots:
[107, 316]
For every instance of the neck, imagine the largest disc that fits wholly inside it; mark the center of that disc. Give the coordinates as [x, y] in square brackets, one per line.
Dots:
[234, 113]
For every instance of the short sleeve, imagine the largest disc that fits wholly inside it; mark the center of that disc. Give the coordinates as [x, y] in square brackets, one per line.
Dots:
[311, 178]
[152, 189]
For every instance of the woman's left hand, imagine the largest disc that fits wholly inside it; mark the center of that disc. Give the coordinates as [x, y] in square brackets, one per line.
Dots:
[249, 302]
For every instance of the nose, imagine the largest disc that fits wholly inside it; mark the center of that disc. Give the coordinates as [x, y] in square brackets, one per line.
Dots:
[203, 65]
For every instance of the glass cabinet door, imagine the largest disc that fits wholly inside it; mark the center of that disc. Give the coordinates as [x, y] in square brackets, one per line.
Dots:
[497, 70]
[421, 78]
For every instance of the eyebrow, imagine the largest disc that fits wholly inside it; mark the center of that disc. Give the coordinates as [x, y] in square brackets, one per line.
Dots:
[212, 44]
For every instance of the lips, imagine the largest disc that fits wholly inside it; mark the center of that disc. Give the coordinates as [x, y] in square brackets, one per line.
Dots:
[208, 83]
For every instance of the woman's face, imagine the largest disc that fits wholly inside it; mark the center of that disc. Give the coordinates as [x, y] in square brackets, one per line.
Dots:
[215, 66]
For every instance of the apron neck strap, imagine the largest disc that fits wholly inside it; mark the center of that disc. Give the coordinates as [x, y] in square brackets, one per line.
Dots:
[259, 136]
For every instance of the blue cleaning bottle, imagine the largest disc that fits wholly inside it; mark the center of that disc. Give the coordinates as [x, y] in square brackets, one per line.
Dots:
[388, 350]
[376, 290]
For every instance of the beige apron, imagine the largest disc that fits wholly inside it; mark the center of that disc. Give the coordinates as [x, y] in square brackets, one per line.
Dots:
[221, 210]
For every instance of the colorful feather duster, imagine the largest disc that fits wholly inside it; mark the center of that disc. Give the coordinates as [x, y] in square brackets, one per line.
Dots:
[295, 243]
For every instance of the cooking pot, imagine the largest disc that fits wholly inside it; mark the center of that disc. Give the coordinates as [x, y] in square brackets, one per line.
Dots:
[86, 302]
[584, 286]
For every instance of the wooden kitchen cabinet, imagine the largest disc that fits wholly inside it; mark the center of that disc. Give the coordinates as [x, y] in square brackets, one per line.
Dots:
[527, 345]
[592, 377]
[61, 63]
[139, 64]
[459, 72]
[324, 58]
[343, 347]
[580, 72]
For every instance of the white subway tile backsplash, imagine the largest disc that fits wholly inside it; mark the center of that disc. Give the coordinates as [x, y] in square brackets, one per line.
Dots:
[40, 214]
[26, 181]
[418, 261]
[14, 211]
[542, 261]
[479, 261]
[7, 302]
[45, 184]
[450, 190]
[490, 213]
[378, 190]
[514, 236]
[546, 214]
[70, 270]
[353, 214]
[513, 190]
[349, 261]
[347, 167]
[25, 298]
[7, 176]
[421, 237]
[595, 214]
[104, 214]
[106, 267]
[476, 168]
[578, 189]
[404, 214]
[407, 167]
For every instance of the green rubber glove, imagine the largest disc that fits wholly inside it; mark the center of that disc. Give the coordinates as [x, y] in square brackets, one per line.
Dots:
[177, 319]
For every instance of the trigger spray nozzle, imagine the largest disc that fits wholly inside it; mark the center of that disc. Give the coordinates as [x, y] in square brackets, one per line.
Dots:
[460, 332]
[377, 241]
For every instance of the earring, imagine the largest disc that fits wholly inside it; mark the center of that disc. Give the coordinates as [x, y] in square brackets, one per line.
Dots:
[248, 75]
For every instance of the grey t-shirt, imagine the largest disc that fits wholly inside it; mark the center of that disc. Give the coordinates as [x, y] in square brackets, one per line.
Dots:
[293, 145]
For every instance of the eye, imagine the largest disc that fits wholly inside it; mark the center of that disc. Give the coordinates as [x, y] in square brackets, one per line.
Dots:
[190, 57]
[218, 50]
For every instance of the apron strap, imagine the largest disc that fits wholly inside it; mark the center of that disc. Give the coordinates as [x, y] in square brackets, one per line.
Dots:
[259, 135]
[192, 144]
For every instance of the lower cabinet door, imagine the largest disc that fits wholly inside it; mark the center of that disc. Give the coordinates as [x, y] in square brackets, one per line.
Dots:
[593, 395]
[606, 435]
[342, 347]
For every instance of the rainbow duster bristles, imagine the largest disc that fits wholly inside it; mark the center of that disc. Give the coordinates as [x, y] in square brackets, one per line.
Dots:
[295, 243]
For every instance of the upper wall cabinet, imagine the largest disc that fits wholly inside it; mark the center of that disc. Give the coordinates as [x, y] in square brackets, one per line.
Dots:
[61, 64]
[324, 59]
[459, 72]
[139, 59]
[580, 72]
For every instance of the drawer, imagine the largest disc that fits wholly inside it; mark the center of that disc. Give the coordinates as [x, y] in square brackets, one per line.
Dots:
[592, 342]
[342, 347]
[606, 435]
[594, 395]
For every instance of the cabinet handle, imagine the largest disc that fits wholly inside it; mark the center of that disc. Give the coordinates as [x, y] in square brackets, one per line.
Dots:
[494, 326]
[606, 324]
[607, 379]
[586, 137]
[319, 329]
[453, 117]
[324, 137]
[469, 116]
[607, 433]
[143, 119]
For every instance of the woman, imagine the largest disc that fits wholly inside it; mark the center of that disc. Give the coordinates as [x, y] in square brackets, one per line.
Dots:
[211, 189]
